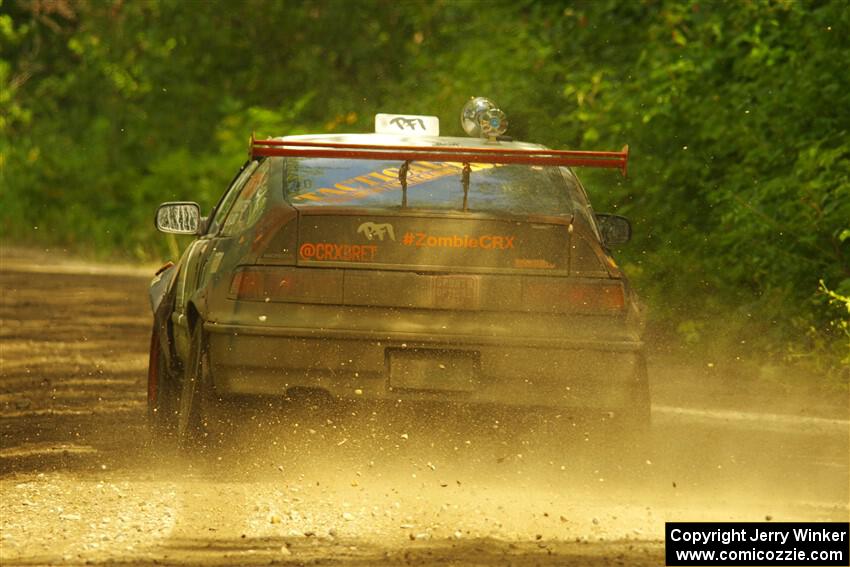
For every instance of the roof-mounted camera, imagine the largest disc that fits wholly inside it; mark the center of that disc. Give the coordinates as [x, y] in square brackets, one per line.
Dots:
[482, 119]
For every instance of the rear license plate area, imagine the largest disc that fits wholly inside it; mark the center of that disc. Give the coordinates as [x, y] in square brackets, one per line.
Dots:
[432, 369]
[455, 292]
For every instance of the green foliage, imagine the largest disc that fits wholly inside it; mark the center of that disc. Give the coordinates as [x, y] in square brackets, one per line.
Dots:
[737, 114]
[841, 324]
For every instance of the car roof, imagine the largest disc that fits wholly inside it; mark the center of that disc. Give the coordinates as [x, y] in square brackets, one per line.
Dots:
[401, 140]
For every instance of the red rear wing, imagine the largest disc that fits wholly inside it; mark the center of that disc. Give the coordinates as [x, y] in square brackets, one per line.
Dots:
[291, 148]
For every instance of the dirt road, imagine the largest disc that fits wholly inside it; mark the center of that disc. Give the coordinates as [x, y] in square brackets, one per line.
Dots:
[79, 484]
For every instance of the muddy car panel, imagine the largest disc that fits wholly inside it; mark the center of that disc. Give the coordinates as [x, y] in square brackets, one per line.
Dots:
[343, 290]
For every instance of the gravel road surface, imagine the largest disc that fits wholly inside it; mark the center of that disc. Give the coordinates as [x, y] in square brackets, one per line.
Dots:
[79, 483]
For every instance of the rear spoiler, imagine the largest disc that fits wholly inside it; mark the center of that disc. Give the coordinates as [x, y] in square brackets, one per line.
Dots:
[290, 148]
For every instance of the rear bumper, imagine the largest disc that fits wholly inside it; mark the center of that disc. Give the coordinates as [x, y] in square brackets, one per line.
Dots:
[515, 371]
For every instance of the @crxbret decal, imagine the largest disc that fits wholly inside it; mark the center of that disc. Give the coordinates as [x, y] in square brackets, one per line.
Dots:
[372, 230]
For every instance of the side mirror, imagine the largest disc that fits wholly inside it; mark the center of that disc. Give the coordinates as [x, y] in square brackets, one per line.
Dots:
[615, 230]
[179, 217]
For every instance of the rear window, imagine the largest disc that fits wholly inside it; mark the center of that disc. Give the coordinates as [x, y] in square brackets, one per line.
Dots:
[430, 185]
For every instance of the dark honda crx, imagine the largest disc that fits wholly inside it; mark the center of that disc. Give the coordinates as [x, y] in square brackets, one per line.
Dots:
[404, 266]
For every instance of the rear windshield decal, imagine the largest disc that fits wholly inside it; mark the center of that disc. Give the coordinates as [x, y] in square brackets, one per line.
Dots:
[331, 252]
[533, 263]
[486, 241]
[373, 230]
[385, 180]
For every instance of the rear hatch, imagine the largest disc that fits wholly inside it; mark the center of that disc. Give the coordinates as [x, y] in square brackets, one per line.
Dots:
[361, 240]
[436, 260]
[445, 260]
[354, 213]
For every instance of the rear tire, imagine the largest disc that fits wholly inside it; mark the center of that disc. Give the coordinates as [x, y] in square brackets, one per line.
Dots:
[199, 417]
[163, 398]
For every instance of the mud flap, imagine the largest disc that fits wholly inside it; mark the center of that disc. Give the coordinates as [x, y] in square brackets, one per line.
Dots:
[160, 284]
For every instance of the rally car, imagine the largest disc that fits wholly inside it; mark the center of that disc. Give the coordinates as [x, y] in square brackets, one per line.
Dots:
[399, 265]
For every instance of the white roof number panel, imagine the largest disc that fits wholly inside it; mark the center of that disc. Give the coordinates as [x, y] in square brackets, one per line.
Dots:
[407, 124]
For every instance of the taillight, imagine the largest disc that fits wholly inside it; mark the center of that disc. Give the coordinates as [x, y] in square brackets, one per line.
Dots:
[302, 285]
[258, 284]
[560, 295]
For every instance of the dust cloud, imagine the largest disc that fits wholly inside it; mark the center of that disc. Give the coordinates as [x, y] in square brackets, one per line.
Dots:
[367, 483]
